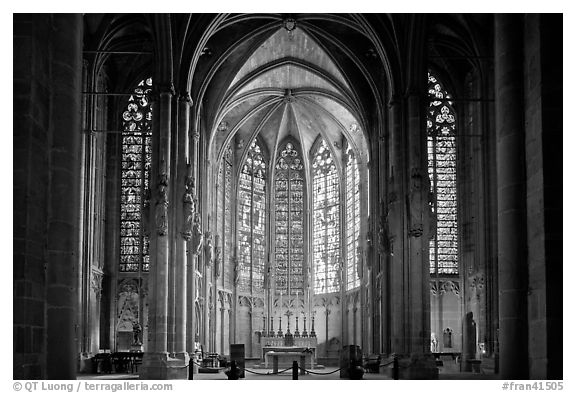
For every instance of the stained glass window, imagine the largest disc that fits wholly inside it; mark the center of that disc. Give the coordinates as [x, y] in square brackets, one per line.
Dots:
[326, 221]
[441, 128]
[352, 179]
[224, 215]
[289, 221]
[135, 176]
[251, 221]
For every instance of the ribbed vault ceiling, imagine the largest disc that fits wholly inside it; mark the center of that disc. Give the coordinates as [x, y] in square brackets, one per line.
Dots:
[288, 87]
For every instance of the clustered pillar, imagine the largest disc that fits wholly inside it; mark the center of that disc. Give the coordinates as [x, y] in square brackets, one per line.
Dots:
[510, 160]
[62, 246]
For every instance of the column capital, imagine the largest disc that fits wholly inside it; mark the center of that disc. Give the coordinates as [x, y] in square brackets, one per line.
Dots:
[395, 99]
[185, 97]
[166, 89]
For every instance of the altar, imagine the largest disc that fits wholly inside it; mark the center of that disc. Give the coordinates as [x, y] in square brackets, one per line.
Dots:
[285, 358]
[303, 350]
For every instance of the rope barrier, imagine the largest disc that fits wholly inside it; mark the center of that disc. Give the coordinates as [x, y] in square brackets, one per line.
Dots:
[317, 373]
[268, 373]
[386, 364]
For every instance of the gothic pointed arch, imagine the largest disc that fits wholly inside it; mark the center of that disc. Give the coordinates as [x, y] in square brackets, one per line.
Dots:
[290, 222]
[251, 220]
[326, 221]
[441, 135]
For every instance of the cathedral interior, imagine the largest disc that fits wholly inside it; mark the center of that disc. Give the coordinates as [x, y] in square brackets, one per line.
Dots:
[375, 186]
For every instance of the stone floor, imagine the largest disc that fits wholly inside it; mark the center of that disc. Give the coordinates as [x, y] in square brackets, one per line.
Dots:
[325, 373]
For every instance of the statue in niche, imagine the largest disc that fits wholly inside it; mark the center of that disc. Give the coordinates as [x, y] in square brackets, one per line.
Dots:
[136, 333]
[433, 343]
[189, 209]
[217, 256]
[196, 239]
[384, 235]
[236, 271]
[415, 204]
[208, 248]
[146, 212]
[359, 258]
[162, 206]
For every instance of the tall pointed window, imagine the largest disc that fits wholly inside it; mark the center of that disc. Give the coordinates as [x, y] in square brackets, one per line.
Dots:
[352, 181]
[224, 215]
[289, 221]
[441, 128]
[326, 223]
[252, 221]
[135, 175]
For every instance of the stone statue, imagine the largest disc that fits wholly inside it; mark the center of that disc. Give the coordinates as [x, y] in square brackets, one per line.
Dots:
[217, 256]
[162, 206]
[136, 332]
[236, 271]
[208, 248]
[196, 239]
[415, 204]
[433, 343]
[189, 208]
[359, 258]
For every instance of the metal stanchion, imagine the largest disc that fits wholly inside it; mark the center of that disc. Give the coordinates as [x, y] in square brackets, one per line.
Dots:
[294, 369]
[395, 369]
[234, 372]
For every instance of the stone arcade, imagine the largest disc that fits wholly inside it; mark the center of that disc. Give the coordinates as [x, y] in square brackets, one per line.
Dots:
[301, 182]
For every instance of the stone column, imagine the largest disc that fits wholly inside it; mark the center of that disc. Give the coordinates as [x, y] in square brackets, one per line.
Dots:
[418, 272]
[393, 289]
[155, 362]
[183, 227]
[62, 246]
[510, 161]
[194, 240]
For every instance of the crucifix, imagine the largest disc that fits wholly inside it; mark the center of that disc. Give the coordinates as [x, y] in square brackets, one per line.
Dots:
[288, 314]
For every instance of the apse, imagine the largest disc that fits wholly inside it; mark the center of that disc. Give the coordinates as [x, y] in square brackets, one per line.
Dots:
[290, 152]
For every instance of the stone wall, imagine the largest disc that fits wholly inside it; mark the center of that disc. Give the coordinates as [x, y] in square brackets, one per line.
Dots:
[47, 131]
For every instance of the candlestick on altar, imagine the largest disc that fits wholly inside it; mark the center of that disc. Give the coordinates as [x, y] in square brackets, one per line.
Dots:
[280, 334]
[304, 333]
[263, 325]
[312, 332]
[296, 332]
[271, 326]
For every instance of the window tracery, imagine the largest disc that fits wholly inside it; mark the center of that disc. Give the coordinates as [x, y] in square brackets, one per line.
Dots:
[289, 222]
[252, 221]
[352, 179]
[326, 222]
[441, 129]
[135, 177]
[224, 211]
